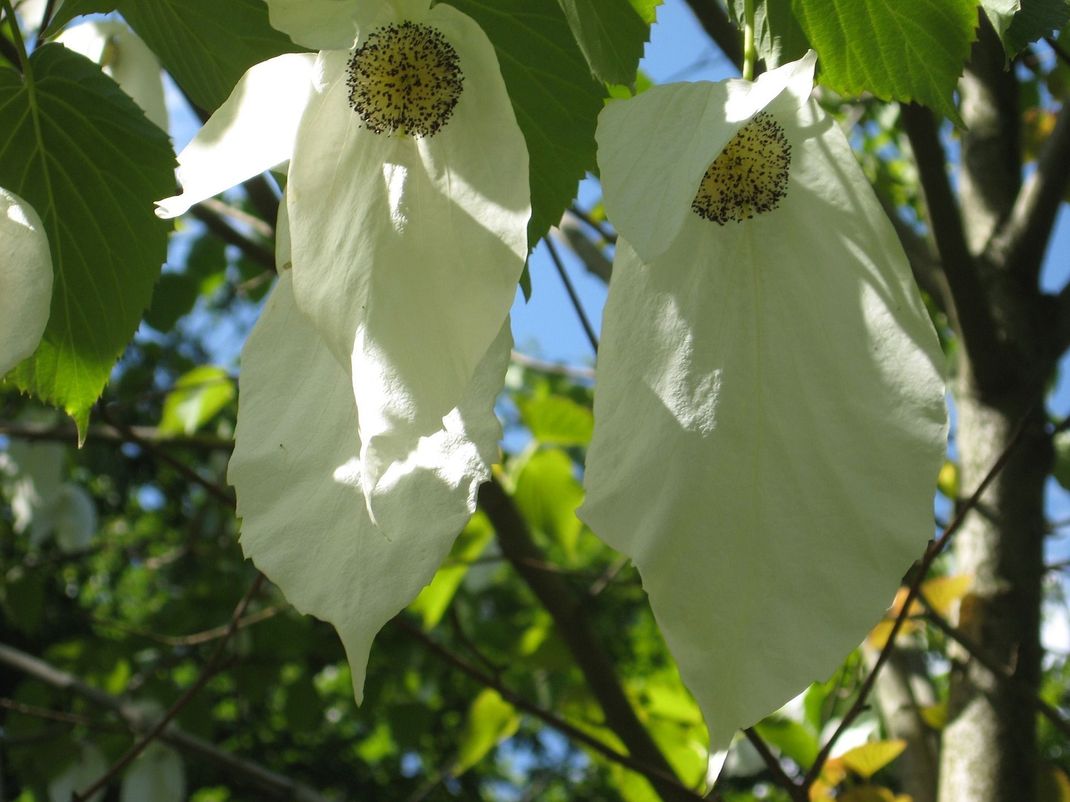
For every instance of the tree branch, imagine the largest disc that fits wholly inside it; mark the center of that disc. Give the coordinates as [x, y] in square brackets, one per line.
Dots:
[720, 29]
[246, 771]
[575, 629]
[1021, 241]
[103, 432]
[1002, 673]
[975, 323]
[215, 223]
[157, 729]
[919, 573]
[548, 717]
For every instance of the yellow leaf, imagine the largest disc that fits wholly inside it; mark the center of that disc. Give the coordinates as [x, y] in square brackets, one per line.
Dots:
[947, 482]
[867, 793]
[1053, 785]
[867, 759]
[935, 716]
[943, 591]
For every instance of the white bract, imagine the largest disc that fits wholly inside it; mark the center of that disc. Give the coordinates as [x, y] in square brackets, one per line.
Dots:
[366, 417]
[407, 198]
[296, 468]
[124, 57]
[770, 411]
[25, 280]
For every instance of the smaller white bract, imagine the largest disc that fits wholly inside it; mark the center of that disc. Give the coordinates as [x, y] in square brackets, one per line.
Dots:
[124, 57]
[25, 280]
[366, 419]
[769, 413]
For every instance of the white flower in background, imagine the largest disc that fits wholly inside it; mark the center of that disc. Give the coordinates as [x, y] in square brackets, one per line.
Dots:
[89, 765]
[43, 505]
[407, 198]
[25, 280]
[366, 419]
[769, 411]
[123, 57]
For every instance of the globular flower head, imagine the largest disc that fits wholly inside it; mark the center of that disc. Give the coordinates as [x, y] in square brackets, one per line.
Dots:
[769, 408]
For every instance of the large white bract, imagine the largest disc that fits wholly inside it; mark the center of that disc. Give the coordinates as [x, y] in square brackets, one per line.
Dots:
[366, 417]
[25, 280]
[769, 411]
[296, 468]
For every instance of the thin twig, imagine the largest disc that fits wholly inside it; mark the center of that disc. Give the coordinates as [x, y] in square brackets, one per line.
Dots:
[1001, 672]
[206, 673]
[934, 549]
[1058, 50]
[600, 228]
[546, 716]
[67, 433]
[197, 638]
[795, 791]
[573, 297]
[215, 490]
[239, 769]
[45, 714]
[212, 220]
[555, 368]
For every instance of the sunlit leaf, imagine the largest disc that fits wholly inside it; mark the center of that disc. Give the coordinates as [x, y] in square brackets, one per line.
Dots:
[198, 396]
[491, 720]
[868, 759]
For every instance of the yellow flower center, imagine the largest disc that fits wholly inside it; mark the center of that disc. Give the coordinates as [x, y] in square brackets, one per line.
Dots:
[749, 177]
[405, 78]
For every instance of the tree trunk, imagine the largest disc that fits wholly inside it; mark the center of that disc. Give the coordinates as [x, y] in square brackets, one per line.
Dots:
[988, 747]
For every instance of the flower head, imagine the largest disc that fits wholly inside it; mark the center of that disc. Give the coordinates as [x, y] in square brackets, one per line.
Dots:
[25, 280]
[404, 228]
[768, 376]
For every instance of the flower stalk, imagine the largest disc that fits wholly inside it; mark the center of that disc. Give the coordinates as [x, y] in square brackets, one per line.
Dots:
[750, 50]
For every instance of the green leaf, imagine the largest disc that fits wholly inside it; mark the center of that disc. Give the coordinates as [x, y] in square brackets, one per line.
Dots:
[777, 34]
[897, 51]
[77, 8]
[611, 34]
[491, 720]
[1062, 459]
[435, 598]
[555, 99]
[548, 494]
[174, 296]
[83, 154]
[198, 396]
[1037, 18]
[793, 739]
[206, 45]
[647, 9]
[557, 420]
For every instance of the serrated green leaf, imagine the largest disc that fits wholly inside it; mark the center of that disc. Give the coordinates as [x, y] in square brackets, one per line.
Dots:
[548, 494]
[647, 10]
[198, 396]
[557, 420]
[491, 720]
[555, 99]
[77, 8]
[435, 598]
[611, 34]
[1036, 18]
[897, 51]
[84, 155]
